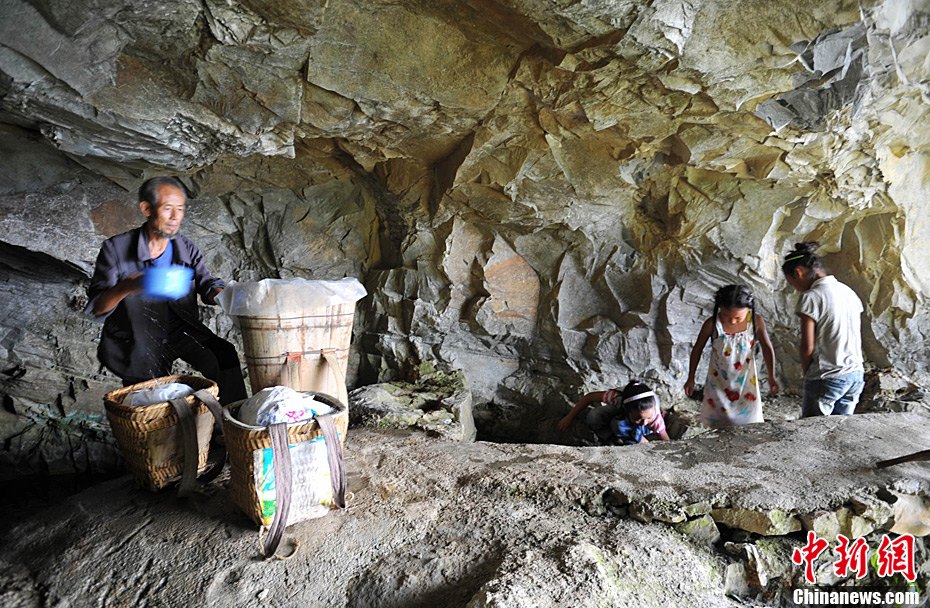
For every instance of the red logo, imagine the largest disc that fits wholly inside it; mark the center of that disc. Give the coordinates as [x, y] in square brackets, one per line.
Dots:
[808, 553]
[892, 556]
[852, 557]
[896, 556]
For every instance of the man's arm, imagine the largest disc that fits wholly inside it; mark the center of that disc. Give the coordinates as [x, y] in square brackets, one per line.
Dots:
[110, 299]
[207, 285]
[106, 290]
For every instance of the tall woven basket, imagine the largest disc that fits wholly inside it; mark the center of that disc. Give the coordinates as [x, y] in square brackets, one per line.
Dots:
[149, 437]
[243, 440]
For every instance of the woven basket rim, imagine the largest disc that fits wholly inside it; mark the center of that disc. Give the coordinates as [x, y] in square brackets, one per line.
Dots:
[331, 401]
[115, 398]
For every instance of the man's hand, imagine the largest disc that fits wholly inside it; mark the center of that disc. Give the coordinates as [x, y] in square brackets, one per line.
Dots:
[216, 291]
[110, 299]
[565, 423]
[133, 283]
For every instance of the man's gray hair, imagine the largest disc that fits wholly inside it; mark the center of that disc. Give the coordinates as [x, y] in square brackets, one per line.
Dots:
[148, 191]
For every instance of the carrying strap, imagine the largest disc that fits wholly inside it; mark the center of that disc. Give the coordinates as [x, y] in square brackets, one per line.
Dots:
[334, 365]
[187, 422]
[283, 477]
[293, 360]
[282, 487]
[217, 458]
[188, 426]
[336, 458]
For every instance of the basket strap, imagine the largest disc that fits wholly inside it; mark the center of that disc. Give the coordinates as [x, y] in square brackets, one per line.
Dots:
[218, 455]
[334, 365]
[188, 428]
[292, 365]
[293, 361]
[336, 459]
[282, 487]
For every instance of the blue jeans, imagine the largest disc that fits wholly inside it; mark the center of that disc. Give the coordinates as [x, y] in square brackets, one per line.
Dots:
[836, 396]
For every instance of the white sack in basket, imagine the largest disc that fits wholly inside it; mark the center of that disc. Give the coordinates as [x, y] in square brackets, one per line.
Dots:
[280, 404]
[159, 394]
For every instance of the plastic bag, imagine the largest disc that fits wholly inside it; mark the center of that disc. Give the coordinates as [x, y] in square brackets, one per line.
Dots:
[159, 394]
[280, 404]
[311, 482]
[278, 298]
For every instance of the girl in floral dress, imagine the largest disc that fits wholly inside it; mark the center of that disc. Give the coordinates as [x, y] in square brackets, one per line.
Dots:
[731, 392]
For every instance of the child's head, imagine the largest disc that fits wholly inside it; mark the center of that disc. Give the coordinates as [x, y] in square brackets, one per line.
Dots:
[733, 303]
[639, 402]
[801, 266]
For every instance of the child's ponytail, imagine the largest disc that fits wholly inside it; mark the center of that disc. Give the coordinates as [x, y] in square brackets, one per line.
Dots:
[802, 256]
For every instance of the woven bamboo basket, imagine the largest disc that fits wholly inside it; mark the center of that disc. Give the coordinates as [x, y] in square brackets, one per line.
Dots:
[242, 440]
[148, 436]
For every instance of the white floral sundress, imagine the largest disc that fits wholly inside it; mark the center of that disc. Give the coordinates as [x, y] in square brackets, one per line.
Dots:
[731, 392]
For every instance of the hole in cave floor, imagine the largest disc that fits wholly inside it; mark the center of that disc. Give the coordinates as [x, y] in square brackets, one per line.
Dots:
[23, 496]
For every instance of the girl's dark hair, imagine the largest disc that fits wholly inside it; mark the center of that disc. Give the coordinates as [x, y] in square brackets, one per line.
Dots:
[631, 390]
[803, 255]
[736, 296]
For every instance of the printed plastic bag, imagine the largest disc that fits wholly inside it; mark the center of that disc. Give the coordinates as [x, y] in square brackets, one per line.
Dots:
[311, 484]
[280, 404]
[159, 394]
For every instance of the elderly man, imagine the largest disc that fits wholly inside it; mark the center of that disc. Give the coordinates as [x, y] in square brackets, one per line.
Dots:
[142, 337]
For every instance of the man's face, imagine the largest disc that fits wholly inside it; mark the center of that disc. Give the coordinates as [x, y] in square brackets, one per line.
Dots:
[165, 220]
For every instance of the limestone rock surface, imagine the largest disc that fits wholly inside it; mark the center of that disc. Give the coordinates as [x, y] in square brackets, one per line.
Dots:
[437, 403]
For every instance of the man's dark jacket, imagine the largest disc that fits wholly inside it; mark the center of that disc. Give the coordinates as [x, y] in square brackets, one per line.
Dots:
[136, 332]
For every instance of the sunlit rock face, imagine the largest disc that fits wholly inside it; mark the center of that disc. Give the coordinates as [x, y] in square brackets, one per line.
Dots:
[543, 195]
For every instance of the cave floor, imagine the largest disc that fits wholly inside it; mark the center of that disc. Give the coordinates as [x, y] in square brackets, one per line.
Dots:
[438, 523]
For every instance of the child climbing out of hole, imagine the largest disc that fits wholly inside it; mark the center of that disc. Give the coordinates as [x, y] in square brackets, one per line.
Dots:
[731, 391]
[627, 416]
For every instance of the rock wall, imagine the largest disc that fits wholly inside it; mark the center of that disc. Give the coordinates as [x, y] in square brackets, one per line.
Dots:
[542, 195]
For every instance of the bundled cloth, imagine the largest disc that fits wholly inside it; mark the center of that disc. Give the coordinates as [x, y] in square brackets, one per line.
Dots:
[159, 394]
[280, 404]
